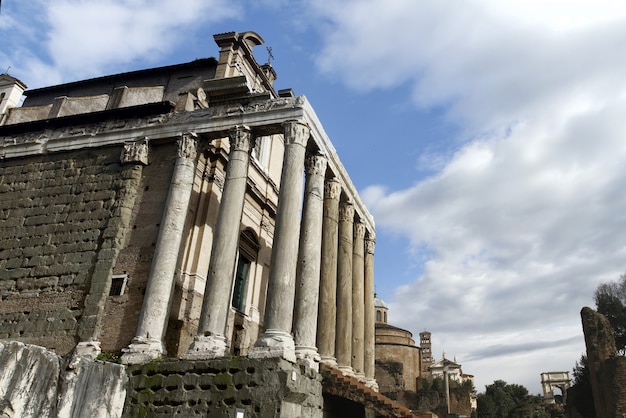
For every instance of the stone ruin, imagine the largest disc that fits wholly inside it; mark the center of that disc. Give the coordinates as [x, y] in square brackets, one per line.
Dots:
[607, 370]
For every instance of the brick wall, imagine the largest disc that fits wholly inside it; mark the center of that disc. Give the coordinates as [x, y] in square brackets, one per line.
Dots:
[61, 222]
[135, 257]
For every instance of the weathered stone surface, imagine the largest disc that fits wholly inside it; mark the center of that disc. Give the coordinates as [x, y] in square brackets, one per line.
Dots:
[35, 382]
[217, 388]
[62, 221]
[607, 370]
[28, 380]
[92, 389]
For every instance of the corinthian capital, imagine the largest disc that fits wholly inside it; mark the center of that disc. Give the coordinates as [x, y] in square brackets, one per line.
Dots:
[346, 212]
[359, 229]
[135, 152]
[370, 243]
[240, 138]
[296, 132]
[187, 145]
[315, 165]
[332, 189]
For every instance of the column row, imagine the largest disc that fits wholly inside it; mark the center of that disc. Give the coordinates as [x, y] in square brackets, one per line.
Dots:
[332, 322]
[345, 330]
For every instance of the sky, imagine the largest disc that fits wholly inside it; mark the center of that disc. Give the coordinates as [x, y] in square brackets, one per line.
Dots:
[485, 136]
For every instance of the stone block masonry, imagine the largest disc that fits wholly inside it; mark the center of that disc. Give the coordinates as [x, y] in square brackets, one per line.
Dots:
[62, 222]
[219, 388]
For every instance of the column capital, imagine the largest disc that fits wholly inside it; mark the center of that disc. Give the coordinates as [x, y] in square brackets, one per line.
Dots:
[240, 138]
[332, 189]
[135, 152]
[346, 212]
[187, 145]
[296, 132]
[359, 230]
[315, 164]
[370, 242]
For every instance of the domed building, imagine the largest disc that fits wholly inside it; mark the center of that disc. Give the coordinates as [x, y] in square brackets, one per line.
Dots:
[399, 362]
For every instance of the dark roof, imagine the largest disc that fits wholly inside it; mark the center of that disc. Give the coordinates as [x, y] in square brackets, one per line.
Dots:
[200, 62]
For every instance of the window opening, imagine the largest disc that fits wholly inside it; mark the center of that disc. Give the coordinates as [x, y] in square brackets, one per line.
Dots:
[241, 277]
[248, 250]
[118, 284]
[261, 150]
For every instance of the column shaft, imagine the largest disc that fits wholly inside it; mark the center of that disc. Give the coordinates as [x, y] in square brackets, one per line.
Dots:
[277, 341]
[369, 338]
[210, 341]
[148, 341]
[358, 320]
[309, 261]
[343, 344]
[327, 313]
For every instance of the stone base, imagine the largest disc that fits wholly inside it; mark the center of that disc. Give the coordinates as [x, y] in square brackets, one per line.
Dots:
[274, 343]
[347, 370]
[142, 350]
[360, 376]
[308, 356]
[372, 384]
[88, 349]
[330, 361]
[206, 348]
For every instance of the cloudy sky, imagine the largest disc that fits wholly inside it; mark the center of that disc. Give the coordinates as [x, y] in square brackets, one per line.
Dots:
[486, 136]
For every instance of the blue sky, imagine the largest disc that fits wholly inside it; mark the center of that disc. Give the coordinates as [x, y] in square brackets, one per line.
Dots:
[486, 136]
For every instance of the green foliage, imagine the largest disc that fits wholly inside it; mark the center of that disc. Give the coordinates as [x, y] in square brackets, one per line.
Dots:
[580, 396]
[503, 400]
[437, 385]
[610, 301]
[110, 357]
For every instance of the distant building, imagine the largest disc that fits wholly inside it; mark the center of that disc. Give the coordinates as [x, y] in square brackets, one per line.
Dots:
[399, 361]
[11, 90]
[402, 367]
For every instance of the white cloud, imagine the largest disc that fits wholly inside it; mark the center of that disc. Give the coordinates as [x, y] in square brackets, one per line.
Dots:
[89, 38]
[524, 218]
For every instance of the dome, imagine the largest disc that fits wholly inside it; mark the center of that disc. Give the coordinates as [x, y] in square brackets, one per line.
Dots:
[378, 302]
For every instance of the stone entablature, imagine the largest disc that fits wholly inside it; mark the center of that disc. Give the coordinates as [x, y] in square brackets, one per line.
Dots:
[264, 117]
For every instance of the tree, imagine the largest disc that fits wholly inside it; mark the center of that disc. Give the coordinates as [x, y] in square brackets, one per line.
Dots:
[502, 400]
[580, 396]
[610, 301]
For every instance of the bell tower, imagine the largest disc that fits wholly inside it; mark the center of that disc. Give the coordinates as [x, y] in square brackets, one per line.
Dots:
[427, 352]
[11, 90]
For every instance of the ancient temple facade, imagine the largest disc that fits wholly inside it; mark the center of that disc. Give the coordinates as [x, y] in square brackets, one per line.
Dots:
[190, 212]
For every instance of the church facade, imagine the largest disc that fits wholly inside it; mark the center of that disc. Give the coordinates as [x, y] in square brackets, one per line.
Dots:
[189, 212]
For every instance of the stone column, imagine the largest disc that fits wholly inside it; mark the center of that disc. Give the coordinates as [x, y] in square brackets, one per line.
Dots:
[327, 313]
[309, 263]
[358, 320]
[343, 343]
[210, 341]
[369, 335]
[148, 342]
[277, 341]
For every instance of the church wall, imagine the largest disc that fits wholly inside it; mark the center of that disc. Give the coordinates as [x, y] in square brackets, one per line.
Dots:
[135, 258]
[404, 378]
[61, 220]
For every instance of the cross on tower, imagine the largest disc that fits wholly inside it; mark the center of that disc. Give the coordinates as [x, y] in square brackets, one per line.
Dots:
[270, 57]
